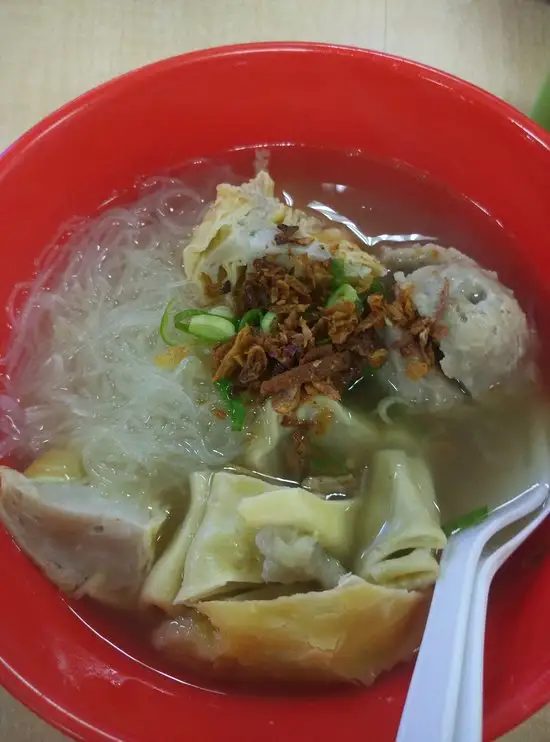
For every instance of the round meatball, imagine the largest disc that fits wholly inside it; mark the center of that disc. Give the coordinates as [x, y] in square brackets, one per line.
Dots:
[486, 332]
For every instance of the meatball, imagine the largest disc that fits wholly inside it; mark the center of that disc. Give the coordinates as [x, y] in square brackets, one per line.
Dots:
[487, 334]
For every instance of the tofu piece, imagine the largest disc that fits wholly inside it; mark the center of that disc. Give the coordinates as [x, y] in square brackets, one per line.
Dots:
[85, 543]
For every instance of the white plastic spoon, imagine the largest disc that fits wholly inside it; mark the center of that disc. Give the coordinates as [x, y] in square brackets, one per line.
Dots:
[431, 706]
[469, 713]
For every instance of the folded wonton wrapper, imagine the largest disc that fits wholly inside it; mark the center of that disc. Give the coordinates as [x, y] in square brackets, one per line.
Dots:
[350, 633]
[85, 543]
[346, 433]
[261, 453]
[164, 580]
[241, 225]
[399, 515]
[330, 522]
[223, 556]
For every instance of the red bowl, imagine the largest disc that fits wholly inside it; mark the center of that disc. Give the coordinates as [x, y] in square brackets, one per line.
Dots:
[200, 104]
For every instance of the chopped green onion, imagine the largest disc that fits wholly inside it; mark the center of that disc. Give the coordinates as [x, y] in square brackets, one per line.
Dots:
[166, 326]
[234, 406]
[225, 386]
[252, 317]
[211, 328]
[344, 292]
[183, 319]
[169, 331]
[223, 311]
[238, 414]
[267, 321]
[466, 521]
[377, 287]
[324, 341]
[338, 270]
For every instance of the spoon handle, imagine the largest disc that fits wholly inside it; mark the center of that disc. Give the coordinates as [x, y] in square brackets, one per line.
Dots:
[469, 717]
[430, 708]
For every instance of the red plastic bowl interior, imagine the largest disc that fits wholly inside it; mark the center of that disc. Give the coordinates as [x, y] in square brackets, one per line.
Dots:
[200, 104]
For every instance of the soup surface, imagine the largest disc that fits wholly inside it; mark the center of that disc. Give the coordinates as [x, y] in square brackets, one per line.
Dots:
[263, 453]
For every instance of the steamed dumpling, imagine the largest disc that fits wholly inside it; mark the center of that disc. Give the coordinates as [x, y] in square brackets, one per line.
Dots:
[330, 522]
[352, 633]
[238, 227]
[222, 556]
[164, 580]
[487, 334]
[342, 431]
[85, 543]
[262, 451]
[241, 225]
[415, 570]
[399, 520]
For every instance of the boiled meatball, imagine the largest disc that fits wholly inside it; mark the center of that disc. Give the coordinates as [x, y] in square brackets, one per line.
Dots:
[487, 334]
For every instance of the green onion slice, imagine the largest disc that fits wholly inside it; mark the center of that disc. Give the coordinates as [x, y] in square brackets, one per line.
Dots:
[473, 518]
[345, 292]
[223, 311]
[252, 317]
[211, 328]
[267, 321]
[169, 332]
[234, 405]
[338, 270]
[377, 287]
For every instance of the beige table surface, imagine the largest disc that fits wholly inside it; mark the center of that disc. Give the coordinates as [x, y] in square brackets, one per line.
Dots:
[52, 50]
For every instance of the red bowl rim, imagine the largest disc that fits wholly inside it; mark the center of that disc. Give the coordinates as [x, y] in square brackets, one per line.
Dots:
[34, 698]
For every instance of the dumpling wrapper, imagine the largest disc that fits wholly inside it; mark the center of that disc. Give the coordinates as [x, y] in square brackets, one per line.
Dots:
[223, 556]
[164, 580]
[237, 227]
[350, 633]
[267, 433]
[399, 514]
[415, 571]
[85, 543]
[330, 522]
[345, 432]
[241, 226]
